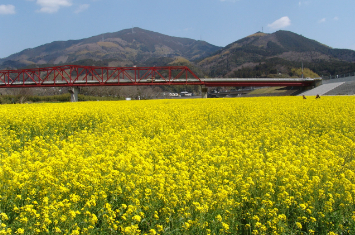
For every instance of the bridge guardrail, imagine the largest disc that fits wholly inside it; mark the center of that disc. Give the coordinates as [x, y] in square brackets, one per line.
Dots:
[352, 74]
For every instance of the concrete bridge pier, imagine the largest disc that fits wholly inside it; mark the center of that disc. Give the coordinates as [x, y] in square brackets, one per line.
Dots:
[204, 91]
[317, 83]
[74, 91]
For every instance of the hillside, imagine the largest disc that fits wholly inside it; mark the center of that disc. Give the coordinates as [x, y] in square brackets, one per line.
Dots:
[282, 52]
[124, 48]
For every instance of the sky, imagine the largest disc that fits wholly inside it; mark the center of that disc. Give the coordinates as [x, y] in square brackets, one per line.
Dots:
[31, 23]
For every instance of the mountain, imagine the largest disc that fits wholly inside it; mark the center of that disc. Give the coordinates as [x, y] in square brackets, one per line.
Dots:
[124, 48]
[282, 52]
[279, 54]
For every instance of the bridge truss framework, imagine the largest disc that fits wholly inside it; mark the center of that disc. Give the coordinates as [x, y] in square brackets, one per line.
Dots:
[76, 75]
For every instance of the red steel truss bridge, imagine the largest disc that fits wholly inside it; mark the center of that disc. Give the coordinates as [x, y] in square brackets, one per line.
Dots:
[76, 75]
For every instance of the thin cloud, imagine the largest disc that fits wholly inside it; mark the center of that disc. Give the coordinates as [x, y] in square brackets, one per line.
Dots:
[283, 22]
[82, 8]
[336, 18]
[303, 3]
[321, 20]
[7, 9]
[52, 6]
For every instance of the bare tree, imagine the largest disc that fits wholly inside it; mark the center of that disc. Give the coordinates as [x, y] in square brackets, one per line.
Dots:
[22, 94]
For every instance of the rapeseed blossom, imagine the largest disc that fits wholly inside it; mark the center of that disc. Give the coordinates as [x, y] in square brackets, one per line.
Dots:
[279, 165]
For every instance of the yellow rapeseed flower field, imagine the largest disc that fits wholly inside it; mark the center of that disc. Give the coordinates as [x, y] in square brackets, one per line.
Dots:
[203, 166]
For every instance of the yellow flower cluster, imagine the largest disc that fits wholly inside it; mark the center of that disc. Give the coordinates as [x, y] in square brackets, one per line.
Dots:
[203, 166]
